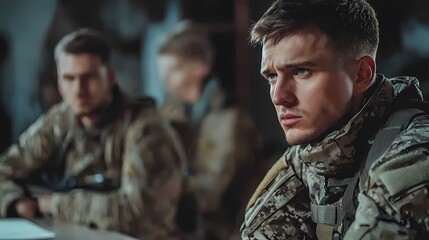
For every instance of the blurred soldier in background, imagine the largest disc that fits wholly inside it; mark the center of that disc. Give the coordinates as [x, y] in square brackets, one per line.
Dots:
[358, 167]
[111, 161]
[220, 140]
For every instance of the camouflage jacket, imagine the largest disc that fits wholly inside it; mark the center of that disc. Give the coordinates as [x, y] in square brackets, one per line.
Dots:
[134, 152]
[393, 203]
[220, 141]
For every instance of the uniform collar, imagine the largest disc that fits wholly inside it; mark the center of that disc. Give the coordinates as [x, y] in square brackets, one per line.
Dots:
[337, 150]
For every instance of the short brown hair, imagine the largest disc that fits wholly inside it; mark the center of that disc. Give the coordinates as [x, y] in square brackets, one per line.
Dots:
[351, 25]
[84, 41]
[188, 40]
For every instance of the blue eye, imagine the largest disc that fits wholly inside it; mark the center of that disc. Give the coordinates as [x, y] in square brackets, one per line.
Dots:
[302, 71]
[271, 77]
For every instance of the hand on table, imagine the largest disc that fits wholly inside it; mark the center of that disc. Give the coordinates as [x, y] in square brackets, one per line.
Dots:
[26, 208]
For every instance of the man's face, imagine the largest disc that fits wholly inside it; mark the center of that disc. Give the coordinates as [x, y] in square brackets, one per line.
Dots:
[84, 82]
[310, 86]
[182, 77]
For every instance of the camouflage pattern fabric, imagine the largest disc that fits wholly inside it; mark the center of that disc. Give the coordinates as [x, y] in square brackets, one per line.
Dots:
[281, 210]
[396, 193]
[221, 146]
[134, 148]
[392, 204]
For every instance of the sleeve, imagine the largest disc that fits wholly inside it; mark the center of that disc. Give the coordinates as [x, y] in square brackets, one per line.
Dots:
[31, 151]
[374, 221]
[224, 148]
[279, 208]
[150, 186]
[394, 204]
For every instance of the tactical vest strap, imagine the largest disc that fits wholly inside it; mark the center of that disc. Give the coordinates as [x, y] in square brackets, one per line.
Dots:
[349, 204]
[397, 119]
[396, 122]
[326, 214]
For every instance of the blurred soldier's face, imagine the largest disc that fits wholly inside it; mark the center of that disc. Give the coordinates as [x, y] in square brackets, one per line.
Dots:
[84, 82]
[310, 87]
[182, 77]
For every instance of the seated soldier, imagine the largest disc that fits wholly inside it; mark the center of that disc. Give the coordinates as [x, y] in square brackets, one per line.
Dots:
[220, 139]
[110, 161]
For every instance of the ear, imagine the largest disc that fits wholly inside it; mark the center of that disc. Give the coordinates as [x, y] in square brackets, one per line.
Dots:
[365, 74]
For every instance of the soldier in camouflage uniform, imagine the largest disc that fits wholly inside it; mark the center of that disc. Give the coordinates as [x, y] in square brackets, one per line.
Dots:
[219, 138]
[111, 161]
[318, 57]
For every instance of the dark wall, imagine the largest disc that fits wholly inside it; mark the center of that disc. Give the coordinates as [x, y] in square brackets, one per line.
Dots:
[404, 39]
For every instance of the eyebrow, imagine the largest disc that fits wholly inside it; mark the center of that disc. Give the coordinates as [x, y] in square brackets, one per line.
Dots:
[266, 70]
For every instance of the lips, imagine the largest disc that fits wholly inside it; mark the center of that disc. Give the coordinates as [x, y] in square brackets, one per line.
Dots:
[288, 119]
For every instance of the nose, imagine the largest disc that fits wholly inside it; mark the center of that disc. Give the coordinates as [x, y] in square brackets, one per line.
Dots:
[282, 92]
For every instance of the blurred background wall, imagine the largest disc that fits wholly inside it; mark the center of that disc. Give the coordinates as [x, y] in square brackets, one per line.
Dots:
[29, 31]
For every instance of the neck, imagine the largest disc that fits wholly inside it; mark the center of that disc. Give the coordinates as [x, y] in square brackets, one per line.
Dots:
[90, 121]
[97, 116]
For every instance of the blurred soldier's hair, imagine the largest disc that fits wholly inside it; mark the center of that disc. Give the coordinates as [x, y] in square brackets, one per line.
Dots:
[188, 40]
[84, 41]
[351, 25]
